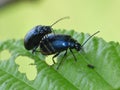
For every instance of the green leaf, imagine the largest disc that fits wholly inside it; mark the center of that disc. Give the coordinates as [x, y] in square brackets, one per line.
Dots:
[71, 75]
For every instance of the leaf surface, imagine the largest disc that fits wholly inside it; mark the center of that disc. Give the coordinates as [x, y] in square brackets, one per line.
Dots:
[71, 75]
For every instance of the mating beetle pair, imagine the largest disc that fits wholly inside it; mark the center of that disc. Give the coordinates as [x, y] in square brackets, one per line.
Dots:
[34, 36]
[52, 43]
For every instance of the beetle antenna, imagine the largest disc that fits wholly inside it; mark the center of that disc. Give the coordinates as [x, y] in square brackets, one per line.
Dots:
[89, 38]
[67, 17]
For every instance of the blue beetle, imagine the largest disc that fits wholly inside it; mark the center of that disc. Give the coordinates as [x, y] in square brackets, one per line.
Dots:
[55, 44]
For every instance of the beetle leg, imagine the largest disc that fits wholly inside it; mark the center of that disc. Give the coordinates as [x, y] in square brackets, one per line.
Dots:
[55, 56]
[62, 60]
[34, 50]
[73, 55]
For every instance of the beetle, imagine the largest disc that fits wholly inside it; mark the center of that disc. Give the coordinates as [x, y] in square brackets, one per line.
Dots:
[34, 36]
[55, 44]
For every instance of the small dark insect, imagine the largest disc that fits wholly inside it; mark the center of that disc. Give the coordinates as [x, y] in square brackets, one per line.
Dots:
[90, 66]
[55, 44]
[34, 36]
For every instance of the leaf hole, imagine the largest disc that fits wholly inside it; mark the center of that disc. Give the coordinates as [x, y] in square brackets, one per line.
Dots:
[27, 66]
[49, 61]
[5, 55]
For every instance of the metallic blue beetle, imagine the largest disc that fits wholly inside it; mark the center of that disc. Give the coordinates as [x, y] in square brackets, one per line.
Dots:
[55, 44]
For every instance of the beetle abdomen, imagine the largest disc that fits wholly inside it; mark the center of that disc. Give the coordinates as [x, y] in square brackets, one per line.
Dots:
[53, 43]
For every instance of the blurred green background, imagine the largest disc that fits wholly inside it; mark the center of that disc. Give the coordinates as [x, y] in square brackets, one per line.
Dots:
[88, 16]
[17, 18]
